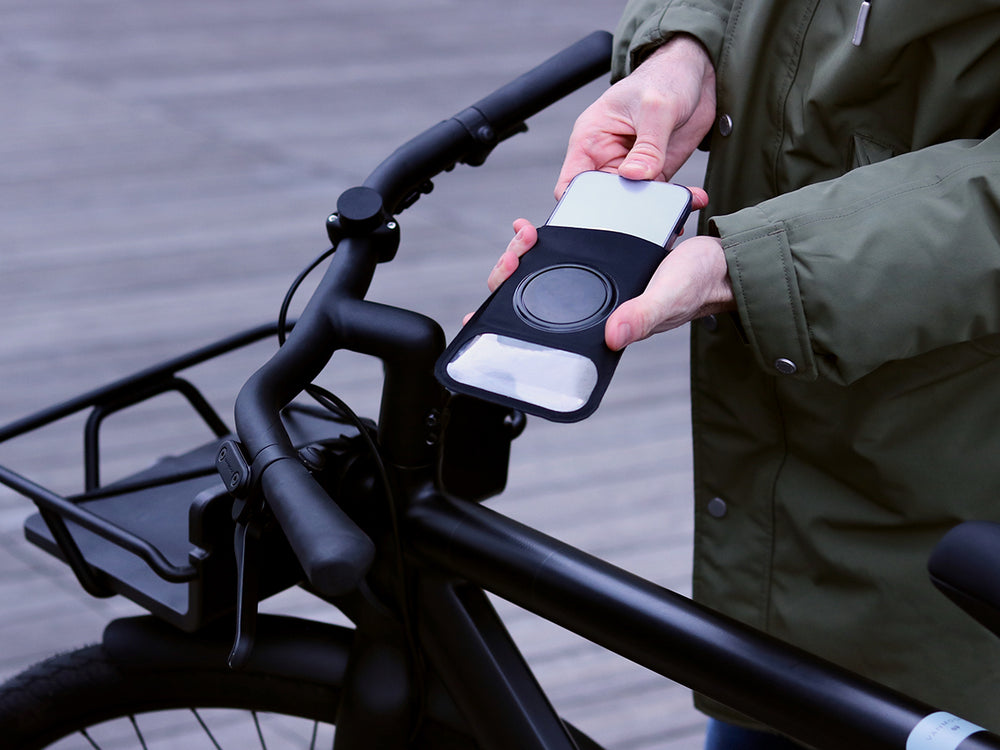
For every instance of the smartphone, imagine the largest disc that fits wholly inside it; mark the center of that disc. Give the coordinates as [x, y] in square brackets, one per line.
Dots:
[653, 211]
[537, 344]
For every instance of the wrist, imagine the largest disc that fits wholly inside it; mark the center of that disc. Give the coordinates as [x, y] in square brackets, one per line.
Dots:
[679, 45]
[709, 274]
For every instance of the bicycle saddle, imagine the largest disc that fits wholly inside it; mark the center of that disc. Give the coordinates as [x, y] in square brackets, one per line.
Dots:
[965, 565]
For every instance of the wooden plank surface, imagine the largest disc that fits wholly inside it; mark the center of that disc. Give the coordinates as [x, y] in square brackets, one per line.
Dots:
[166, 171]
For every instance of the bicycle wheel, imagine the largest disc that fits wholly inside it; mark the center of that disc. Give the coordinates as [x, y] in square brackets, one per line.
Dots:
[84, 699]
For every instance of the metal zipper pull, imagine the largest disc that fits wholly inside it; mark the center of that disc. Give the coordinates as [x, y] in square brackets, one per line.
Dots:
[859, 27]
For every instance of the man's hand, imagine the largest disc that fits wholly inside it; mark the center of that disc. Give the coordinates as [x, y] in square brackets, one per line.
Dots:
[648, 124]
[691, 282]
[645, 127]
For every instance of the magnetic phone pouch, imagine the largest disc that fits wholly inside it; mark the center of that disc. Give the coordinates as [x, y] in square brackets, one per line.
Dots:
[537, 343]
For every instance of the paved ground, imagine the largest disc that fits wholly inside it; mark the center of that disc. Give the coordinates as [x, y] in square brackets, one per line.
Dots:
[166, 170]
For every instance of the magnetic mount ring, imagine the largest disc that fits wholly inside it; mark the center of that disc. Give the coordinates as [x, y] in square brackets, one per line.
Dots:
[564, 298]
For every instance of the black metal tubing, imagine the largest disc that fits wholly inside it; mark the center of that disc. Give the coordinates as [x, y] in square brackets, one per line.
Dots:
[333, 551]
[490, 682]
[470, 134]
[68, 511]
[788, 689]
[137, 380]
[56, 510]
[86, 575]
[91, 440]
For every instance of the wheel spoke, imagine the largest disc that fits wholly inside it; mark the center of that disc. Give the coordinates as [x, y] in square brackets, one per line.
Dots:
[260, 734]
[90, 739]
[204, 726]
[138, 734]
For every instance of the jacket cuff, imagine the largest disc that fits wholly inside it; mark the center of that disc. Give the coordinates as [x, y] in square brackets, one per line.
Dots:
[639, 35]
[767, 292]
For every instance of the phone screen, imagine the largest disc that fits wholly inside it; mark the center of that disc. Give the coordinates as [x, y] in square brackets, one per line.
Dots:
[653, 211]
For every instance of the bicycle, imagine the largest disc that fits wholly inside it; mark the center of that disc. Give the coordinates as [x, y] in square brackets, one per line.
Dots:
[384, 521]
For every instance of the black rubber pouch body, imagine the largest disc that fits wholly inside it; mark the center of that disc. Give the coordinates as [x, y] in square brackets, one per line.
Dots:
[560, 297]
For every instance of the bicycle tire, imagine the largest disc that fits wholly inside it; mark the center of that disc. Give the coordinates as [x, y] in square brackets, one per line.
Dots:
[81, 691]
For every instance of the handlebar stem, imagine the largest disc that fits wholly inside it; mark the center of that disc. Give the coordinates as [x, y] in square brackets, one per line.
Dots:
[408, 344]
[333, 551]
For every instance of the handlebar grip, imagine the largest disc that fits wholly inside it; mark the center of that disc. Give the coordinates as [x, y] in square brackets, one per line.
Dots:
[550, 81]
[334, 553]
[491, 119]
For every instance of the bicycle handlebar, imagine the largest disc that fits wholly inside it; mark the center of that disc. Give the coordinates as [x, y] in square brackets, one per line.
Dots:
[471, 134]
[334, 553]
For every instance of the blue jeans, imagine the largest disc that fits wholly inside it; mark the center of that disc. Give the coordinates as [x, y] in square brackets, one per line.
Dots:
[722, 736]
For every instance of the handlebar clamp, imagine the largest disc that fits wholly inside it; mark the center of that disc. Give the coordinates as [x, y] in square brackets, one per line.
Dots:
[242, 477]
[360, 211]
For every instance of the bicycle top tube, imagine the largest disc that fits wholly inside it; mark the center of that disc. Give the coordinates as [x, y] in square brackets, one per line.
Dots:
[333, 551]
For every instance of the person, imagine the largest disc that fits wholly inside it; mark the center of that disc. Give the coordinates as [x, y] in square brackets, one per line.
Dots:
[844, 296]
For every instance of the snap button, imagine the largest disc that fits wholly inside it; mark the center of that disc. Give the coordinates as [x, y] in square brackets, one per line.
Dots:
[710, 323]
[717, 507]
[785, 366]
[725, 125]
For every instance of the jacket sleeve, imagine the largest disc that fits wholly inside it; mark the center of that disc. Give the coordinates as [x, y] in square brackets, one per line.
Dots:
[646, 24]
[890, 261]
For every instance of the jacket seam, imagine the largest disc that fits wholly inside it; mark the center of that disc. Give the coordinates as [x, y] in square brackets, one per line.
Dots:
[727, 45]
[781, 104]
[867, 203]
[768, 577]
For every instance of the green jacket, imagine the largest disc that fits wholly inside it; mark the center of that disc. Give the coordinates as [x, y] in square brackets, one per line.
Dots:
[850, 413]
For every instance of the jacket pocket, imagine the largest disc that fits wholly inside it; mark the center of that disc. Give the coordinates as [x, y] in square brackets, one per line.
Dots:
[867, 150]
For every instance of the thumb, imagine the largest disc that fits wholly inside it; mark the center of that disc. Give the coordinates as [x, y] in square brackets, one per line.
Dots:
[646, 159]
[626, 325]
[643, 162]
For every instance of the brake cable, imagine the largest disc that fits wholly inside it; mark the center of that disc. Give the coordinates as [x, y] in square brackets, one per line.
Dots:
[342, 411]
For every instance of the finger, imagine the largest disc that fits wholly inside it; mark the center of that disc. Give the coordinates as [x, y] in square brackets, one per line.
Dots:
[699, 198]
[576, 162]
[579, 151]
[655, 122]
[524, 239]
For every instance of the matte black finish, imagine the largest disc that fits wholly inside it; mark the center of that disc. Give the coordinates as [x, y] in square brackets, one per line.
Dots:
[963, 566]
[470, 134]
[334, 552]
[616, 266]
[425, 621]
[492, 685]
[813, 701]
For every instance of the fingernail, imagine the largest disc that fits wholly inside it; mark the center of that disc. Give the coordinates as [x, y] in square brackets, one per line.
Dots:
[635, 166]
[623, 335]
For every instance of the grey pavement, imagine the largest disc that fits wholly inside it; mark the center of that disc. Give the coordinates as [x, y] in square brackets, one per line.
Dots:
[166, 171]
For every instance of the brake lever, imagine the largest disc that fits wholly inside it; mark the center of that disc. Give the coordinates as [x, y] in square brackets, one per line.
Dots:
[246, 545]
[251, 517]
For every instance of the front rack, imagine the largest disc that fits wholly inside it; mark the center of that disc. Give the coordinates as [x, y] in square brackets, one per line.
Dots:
[162, 537]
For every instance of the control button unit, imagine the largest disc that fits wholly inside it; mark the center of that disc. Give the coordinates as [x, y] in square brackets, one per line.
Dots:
[564, 298]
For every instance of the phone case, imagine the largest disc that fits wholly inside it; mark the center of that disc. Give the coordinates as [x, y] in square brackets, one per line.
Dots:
[560, 297]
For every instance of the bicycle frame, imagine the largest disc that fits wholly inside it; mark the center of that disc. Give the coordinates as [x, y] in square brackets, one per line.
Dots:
[455, 549]
[787, 689]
